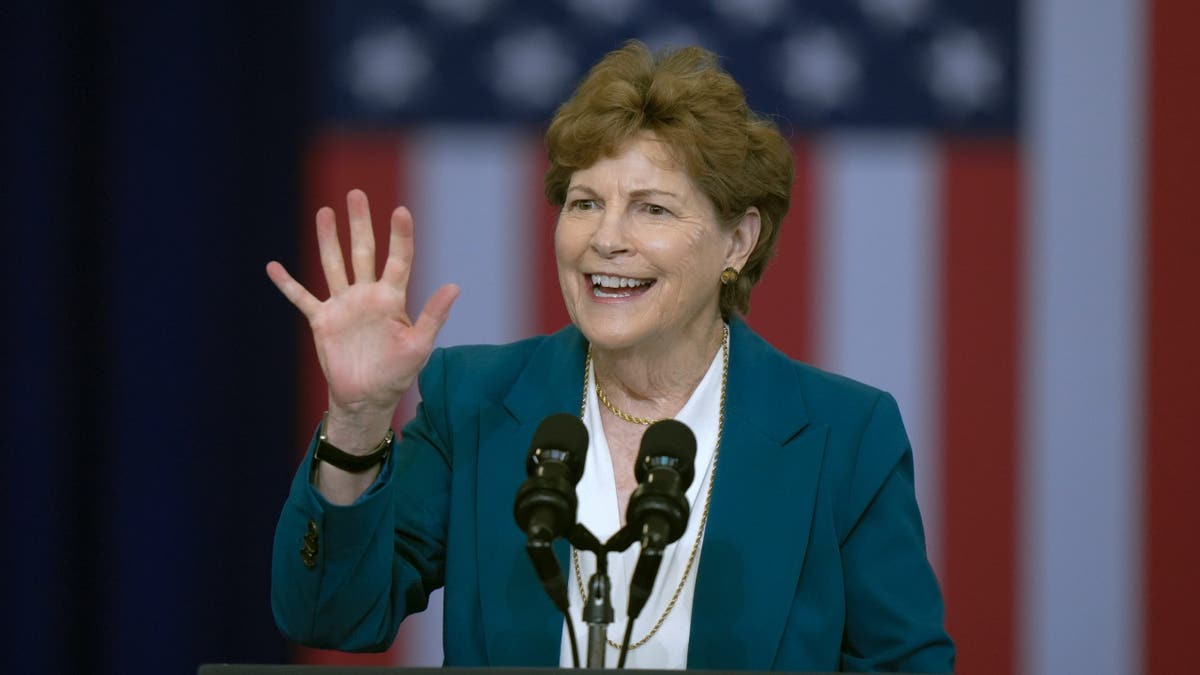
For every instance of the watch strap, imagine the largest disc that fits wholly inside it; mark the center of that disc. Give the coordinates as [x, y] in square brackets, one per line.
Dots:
[332, 455]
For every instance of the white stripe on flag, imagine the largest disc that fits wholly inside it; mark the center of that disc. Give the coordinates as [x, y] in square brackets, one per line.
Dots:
[473, 224]
[1081, 608]
[879, 315]
[476, 224]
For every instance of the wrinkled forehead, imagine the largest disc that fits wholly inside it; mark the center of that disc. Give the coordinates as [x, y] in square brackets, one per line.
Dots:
[644, 150]
[660, 151]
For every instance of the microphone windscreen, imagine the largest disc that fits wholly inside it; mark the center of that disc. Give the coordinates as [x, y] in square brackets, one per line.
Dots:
[565, 433]
[667, 441]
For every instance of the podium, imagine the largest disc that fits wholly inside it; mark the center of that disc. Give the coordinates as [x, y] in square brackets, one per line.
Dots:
[264, 669]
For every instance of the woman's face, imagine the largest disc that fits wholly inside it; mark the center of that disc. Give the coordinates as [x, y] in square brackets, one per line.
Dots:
[640, 252]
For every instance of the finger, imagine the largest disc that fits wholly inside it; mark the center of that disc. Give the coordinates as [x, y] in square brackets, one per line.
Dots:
[400, 249]
[436, 311]
[332, 261]
[362, 237]
[292, 290]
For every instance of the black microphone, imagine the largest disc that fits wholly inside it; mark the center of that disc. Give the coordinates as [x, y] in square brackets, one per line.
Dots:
[546, 503]
[658, 509]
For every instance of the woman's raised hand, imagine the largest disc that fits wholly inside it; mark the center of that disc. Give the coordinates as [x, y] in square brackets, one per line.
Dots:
[369, 348]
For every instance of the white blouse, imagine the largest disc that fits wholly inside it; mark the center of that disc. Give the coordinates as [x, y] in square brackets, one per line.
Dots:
[598, 511]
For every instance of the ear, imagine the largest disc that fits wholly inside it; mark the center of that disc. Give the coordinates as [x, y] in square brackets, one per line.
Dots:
[743, 238]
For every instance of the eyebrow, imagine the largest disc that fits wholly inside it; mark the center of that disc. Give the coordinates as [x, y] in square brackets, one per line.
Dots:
[644, 192]
[582, 188]
[652, 192]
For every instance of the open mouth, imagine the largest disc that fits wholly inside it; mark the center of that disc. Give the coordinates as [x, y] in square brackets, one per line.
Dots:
[607, 286]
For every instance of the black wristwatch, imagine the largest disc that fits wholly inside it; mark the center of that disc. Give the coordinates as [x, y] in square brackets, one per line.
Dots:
[345, 461]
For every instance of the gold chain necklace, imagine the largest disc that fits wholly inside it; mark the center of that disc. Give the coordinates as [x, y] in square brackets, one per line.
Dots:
[712, 477]
[633, 419]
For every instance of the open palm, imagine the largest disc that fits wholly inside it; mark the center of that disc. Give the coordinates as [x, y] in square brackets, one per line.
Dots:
[369, 348]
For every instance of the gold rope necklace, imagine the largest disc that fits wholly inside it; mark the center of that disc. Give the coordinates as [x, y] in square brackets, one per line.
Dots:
[633, 419]
[712, 477]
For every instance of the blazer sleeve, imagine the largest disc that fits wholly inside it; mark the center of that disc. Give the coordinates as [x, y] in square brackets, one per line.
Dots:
[894, 611]
[343, 577]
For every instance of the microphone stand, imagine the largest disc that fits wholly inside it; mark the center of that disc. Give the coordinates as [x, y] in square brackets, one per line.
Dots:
[598, 610]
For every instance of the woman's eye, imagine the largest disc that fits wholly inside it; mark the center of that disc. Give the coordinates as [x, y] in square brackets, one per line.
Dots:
[583, 205]
[656, 210]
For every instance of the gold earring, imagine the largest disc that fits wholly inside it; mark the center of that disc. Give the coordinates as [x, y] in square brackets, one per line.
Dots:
[729, 276]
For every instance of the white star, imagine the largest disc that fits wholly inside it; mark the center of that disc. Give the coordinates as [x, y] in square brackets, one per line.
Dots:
[894, 14]
[757, 13]
[612, 12]
[531, 68]
[819, 68]
[463, 11]
[963, 70]
[385, 67]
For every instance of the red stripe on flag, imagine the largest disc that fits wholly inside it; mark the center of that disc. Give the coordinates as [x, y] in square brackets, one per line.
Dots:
[782, 307]
[980, 245]
[337, 163]
[551, 313]
[1172, 349]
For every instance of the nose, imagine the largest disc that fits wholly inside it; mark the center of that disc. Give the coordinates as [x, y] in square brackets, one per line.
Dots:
[609, 238]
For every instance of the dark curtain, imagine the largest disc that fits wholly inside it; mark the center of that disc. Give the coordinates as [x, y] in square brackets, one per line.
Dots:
[152, 157]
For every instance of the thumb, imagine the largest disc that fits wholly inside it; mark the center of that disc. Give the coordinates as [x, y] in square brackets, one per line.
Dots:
[436, 311]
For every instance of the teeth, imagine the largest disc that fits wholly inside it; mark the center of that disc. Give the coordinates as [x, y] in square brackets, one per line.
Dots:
[617, 282]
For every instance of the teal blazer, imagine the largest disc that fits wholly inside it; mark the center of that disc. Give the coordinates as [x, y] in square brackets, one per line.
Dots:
[814, 556]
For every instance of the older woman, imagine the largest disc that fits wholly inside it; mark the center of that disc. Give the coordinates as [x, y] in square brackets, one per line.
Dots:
[805, 548]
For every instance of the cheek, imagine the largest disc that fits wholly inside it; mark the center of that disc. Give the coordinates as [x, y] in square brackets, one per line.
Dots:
[562, 244]
[570, 239]
[566, 255]
[687, 252]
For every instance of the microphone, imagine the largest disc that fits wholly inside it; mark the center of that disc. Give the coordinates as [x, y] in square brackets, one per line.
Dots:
[546, 503]
[658, 508]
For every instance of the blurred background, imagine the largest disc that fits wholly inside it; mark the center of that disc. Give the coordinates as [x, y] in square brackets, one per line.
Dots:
[991, 219]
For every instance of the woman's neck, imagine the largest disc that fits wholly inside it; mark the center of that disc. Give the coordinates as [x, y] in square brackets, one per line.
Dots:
[655, 380]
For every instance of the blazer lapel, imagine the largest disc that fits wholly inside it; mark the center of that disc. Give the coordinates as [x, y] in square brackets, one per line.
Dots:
[767, 474]
[521, 624]
[761, 512]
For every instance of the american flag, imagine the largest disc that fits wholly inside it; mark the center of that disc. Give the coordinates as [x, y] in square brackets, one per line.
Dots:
[973, 228]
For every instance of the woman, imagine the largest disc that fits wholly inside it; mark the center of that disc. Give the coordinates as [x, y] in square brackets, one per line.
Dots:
[805, 548]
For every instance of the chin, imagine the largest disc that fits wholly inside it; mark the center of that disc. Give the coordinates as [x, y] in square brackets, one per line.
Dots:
[609, 334]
